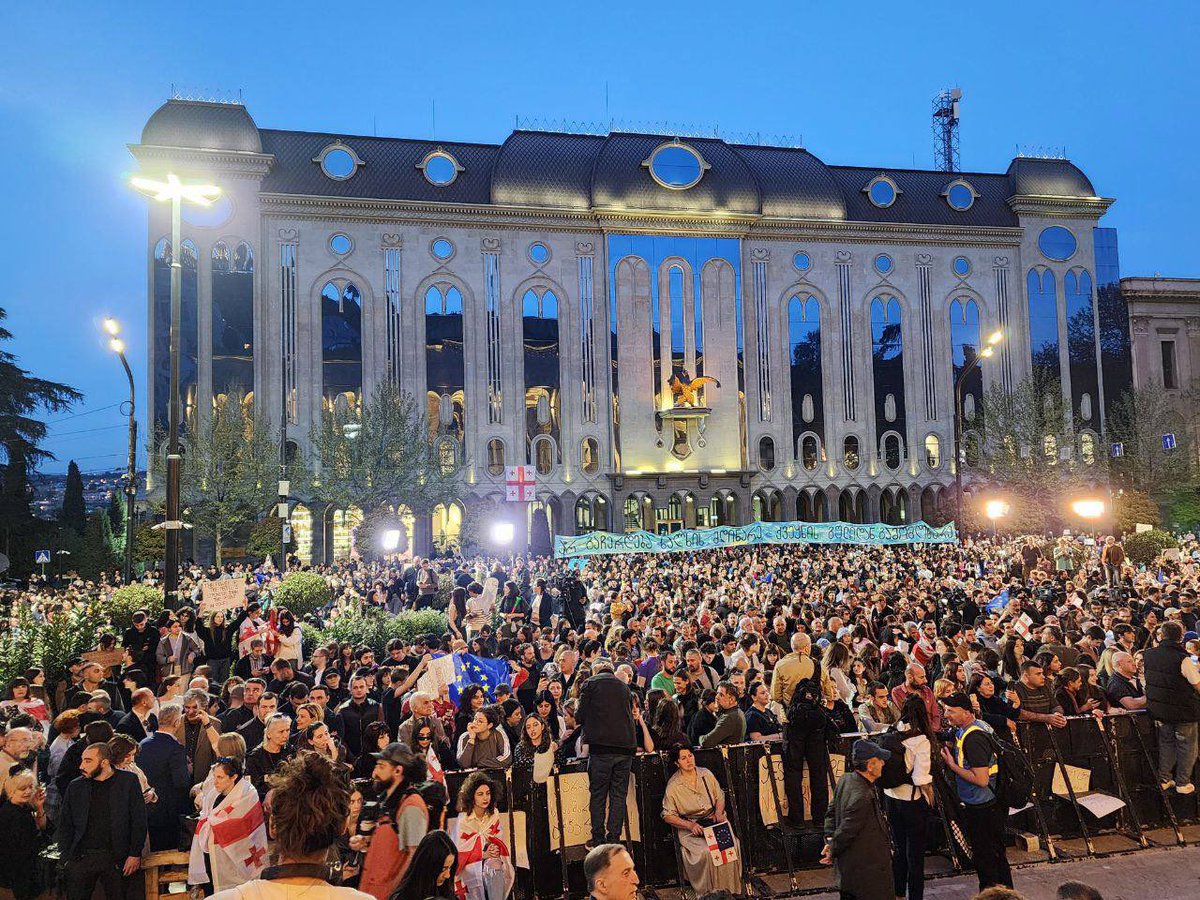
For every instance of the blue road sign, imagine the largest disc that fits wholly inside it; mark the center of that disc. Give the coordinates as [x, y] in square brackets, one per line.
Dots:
[1168, 441]
[41, 557]
[1118, 449]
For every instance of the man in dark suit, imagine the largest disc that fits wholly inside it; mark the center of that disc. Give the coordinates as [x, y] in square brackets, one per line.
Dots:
[164, 761]
[856, 835]
[101, 828]
[140, 721]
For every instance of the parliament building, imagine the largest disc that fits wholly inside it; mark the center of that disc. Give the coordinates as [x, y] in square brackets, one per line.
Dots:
[675, 332]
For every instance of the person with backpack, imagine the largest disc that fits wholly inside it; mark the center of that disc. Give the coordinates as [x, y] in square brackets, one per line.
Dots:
[399, 821]
[804, 737]
[976, 764]
[907, 783]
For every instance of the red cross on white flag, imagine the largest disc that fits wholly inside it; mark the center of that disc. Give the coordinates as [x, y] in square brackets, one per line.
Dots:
[520, 484]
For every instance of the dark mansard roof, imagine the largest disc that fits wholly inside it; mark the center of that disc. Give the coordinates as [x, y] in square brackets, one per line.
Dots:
[555, 170]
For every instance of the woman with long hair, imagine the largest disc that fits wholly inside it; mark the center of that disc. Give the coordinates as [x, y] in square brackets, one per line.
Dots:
[1014, 655]
[290, 638]
[424, 743]
[432, 870]
[376, 737]
[20, 695]
[836, 663]
[471, 699]
[668, 728]
[547, 708]
[217, 635]
[909, 806]
[485, 858]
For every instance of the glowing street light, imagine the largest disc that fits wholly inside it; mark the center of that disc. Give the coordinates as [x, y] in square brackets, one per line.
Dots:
[113, 328]
[503, 533]
[175, 192]
[1088, 508]
[390, 540]
[995, 509]
[993, 341]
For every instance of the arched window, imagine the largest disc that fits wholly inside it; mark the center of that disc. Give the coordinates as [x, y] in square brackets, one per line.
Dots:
[633, 514]
[585, 516]
[345, 523]
[444, 371]
[678, 332]
[887, 365]
[495, 457]
[1050, 449]
[964, 347]
[544, 455]
[232, 318]
[341, 340]
[891, 451]
[302, 525]
[539, 317]
[933, 451]
[189, 340]
[850, 457]
[447, 524]
[810, 452]
[1081, 342]
[589, 456]
[766, 454]
[1043, 331]
[804, 361]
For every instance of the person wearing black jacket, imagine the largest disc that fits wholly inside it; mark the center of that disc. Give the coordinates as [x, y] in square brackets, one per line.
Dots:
[1172, 683]
[606, 714]
[218, 636]
[141, 639]
[356, 714]
[101, 828]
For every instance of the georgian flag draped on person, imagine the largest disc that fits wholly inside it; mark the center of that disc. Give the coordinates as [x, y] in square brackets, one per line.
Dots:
[435, 766]
[479, 878]
[250, 629]
[233, 834]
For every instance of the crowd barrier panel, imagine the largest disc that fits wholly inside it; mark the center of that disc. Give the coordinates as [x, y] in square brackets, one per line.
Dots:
[1075, 769]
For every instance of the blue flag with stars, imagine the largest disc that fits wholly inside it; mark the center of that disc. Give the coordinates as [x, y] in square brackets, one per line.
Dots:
[997, 603]
[471, 669]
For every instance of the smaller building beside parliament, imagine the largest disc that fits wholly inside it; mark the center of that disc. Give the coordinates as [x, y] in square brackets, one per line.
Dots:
[675, 332]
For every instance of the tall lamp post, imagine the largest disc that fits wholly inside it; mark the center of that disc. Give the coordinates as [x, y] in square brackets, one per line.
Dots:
[176, 192]
[993, 339]
[117, 346]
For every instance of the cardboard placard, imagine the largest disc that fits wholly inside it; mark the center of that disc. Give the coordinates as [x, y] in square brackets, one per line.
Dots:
[106, 658]
[225, 593]
[440, 671]
[576, 827]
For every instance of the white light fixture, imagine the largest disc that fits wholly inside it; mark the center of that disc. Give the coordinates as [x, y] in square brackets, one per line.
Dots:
[1088, 509]
[503, 532]
[391, 539]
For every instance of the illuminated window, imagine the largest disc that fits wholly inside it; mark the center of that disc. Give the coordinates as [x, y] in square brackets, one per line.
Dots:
[345, 522]
[933, 451]
[495, 457]
[590, 456]
[850, 453]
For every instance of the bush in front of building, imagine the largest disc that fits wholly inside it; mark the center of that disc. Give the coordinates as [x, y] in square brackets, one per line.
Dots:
[303, 593]
[1144, 548]
[265, 537]
[129, 599]
[1132, 508]
[374, 628]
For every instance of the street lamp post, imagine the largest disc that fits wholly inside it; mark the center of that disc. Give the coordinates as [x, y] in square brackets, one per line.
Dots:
[993, 339]
[118, 347]
[176, 192]
[995, 509]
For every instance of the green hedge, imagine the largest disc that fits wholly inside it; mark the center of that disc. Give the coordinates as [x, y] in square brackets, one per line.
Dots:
[48, 645]
[128, 600]
[1145, 547]
[374, 628]
[303, 593]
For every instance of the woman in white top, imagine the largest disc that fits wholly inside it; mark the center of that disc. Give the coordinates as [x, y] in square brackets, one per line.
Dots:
[909, 806]
[837, 666]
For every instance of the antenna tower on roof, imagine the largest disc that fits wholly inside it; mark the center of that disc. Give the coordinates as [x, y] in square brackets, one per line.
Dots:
[945, 130]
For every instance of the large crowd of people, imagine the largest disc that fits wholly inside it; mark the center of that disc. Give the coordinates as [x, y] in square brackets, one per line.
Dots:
[274, 761]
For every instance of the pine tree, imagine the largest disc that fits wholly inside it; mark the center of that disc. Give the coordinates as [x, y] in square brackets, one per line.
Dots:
[74, 510]
[116, 518]
[98, 553]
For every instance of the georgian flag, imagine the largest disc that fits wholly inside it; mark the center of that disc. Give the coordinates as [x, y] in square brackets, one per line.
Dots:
[435, 766]
[472, 837]
[233, 833]
[248, 631]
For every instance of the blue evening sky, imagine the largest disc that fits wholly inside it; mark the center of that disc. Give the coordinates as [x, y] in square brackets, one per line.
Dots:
[1113, 83]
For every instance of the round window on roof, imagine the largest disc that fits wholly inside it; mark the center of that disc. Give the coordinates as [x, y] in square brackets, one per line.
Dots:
[442, 249]
[1057, 242]
[882, 191]
[539, 253]
[341, 244]
[338, 162]
[960, 196]
[883, 264]
[440, 168]
[802, 262]
[676, 166]
[962, 266]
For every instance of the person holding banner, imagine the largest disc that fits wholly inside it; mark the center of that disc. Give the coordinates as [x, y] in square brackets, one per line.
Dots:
[694, 805]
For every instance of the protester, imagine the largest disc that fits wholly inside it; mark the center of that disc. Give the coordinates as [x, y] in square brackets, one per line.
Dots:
[432, 871]
[485, 861]
[610, 874]
[400, 820]
[1173, 700]
[230, 844]
[605, 713]
[910, 804]
[22, 825]
[694, 799]
[101, 828]
[165, 761]
[856, 835]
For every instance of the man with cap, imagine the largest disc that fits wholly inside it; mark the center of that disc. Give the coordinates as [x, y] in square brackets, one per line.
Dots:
[856, 835]
[975, 766]
[401, 820]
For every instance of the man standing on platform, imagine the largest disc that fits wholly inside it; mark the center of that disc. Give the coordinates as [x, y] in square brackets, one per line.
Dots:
[606, 714]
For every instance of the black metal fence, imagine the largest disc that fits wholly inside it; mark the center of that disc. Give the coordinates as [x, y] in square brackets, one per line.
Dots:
[1119, 753]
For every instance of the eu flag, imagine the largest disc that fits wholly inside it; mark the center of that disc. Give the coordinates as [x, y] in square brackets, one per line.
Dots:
[997, 603]
[471, 669]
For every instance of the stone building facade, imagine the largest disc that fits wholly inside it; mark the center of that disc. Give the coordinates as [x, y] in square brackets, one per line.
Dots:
[676, 332]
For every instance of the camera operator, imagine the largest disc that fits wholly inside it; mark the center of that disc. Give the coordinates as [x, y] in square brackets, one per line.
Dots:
[392, 822]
